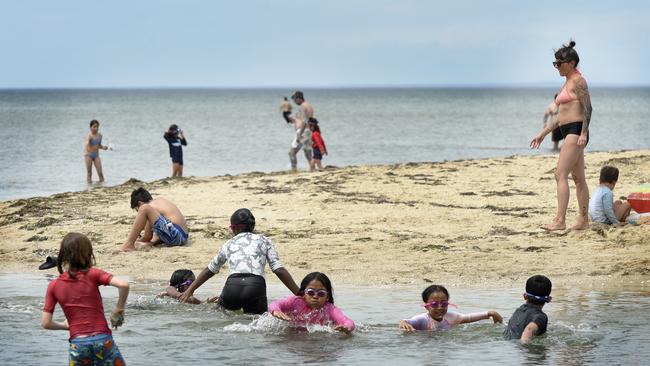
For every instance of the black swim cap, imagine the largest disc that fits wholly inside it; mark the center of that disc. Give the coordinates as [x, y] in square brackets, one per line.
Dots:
[242, 216]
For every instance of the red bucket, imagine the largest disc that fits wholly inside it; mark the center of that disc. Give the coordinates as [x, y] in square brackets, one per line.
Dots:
[640, 201]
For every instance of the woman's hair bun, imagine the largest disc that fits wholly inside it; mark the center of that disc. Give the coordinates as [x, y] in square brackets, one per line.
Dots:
[572, 44]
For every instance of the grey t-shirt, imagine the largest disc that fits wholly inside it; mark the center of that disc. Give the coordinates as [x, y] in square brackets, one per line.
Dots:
[523, 316]
[246, 253]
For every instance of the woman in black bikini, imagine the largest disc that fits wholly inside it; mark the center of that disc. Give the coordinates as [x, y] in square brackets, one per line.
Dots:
[574, 114]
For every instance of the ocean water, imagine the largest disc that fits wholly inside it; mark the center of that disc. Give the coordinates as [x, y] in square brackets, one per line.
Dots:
[236, 131]
[600, 327]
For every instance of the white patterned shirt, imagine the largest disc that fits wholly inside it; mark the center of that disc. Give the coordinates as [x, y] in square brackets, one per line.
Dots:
[246, 253]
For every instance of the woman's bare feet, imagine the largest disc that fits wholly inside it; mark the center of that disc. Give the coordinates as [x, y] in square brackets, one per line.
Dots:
[581, 224]
[555, 225]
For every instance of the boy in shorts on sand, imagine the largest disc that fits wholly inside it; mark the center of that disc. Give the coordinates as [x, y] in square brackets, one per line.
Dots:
[160, 219]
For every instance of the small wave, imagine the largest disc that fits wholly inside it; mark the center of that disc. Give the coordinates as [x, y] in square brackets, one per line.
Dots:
[267, 323]
[20, 308]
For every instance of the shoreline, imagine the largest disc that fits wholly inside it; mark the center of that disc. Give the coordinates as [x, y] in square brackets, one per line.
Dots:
[462, 223]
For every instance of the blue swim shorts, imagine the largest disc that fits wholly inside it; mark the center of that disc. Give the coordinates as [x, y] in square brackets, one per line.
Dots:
[169, 232]
[317, 154]
[98, 349]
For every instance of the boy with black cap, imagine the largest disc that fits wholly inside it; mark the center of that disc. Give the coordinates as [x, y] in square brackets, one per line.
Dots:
[302, 138]
[247, 254]
[529, 320]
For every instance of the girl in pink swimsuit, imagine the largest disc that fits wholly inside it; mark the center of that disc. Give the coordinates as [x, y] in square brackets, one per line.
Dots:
[314, 304]
[436, 301]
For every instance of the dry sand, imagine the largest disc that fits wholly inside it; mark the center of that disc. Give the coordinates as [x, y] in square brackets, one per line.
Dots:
[466, 223]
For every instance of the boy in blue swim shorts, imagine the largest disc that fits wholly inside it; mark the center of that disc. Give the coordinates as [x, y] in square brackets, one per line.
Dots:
[160, 219]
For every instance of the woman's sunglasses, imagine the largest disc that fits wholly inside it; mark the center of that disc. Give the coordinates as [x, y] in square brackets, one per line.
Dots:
[558, 63]
[315, 293]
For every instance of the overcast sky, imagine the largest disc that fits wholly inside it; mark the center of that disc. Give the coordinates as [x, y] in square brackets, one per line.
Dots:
[328, 43]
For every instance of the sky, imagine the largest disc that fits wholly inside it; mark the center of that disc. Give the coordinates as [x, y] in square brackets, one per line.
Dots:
[328, 43]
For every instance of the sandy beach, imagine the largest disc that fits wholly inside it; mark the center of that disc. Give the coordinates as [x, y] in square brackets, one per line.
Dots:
[466, 223]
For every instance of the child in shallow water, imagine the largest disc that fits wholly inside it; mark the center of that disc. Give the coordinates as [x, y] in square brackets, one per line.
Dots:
[529, 320]
[314, 304]
[436, 301]
[76, 291]
[179, 282]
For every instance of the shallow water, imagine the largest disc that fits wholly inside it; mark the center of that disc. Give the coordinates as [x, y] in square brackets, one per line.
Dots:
[586, 327]
[236, 131]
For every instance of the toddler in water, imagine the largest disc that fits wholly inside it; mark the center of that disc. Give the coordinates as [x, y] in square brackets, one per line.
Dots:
[179, 282]
[436, 301]
[529, 320]
[314, 304]
[76, 290]
[602, 207]
[319, 148]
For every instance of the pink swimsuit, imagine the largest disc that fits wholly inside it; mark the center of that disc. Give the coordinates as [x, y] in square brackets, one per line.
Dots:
[564, 96]
[297, 308]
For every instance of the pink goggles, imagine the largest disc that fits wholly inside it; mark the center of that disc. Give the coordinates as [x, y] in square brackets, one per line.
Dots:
[439, 304]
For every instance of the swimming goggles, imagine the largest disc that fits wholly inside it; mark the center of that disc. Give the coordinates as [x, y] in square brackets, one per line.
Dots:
[315, 293]
[539, 298]
[436, 304]
[185, 285]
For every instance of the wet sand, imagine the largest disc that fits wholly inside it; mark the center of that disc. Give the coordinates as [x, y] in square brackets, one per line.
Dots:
[460, 223]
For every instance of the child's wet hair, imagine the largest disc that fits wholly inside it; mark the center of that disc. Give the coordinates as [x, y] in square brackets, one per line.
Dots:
[140, 195]
[538, 285]
[431, 289]
[322, 278]
[181, 275]
[76, 252]
[94, 122]
[608, 174]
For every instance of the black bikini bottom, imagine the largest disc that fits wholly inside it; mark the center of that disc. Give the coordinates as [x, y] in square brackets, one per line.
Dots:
[572, 128]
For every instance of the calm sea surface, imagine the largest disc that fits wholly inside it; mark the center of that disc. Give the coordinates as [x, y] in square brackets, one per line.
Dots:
[235, 131]
[585, 327]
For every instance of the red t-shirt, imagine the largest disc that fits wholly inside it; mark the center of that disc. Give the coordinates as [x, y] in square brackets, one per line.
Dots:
[317, 141]
[80, 300]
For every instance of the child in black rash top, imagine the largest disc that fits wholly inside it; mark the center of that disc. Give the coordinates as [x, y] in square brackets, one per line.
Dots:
[529, 320]
[176, 141]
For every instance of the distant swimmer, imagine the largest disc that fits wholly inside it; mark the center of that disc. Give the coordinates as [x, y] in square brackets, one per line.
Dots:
[302, 137]
[285, 108]
[160, 219]
[91, 152]
[176, 140]
[551, 112]
[574, 114]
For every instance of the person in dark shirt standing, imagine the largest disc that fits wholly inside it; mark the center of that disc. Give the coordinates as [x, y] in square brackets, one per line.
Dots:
[529, 320]
[176, 141]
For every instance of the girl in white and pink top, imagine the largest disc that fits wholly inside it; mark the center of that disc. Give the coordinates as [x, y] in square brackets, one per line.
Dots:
[314, 304]
[436, 301]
